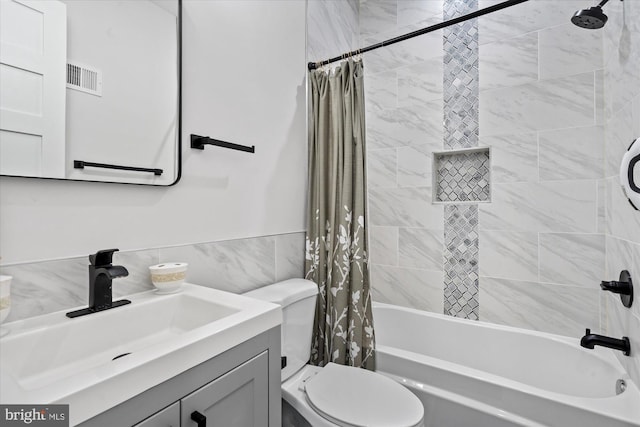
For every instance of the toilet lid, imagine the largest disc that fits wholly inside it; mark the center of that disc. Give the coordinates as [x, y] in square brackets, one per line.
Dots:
[351, 396]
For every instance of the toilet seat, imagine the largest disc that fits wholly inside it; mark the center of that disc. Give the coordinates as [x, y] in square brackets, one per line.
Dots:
[352, 397]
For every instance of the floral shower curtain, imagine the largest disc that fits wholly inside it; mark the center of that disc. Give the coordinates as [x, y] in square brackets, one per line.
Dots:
[336, 243]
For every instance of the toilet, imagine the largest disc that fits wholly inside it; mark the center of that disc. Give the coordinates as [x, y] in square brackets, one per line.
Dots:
[334, 395]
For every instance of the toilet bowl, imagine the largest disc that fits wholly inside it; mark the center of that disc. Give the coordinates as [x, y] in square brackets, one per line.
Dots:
[333, 395]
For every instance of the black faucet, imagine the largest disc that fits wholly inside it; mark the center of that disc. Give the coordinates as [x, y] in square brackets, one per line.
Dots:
[590, 340]
[101, 273]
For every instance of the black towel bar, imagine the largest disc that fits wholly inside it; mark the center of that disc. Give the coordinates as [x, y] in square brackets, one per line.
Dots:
[81, 164]
[198, 142]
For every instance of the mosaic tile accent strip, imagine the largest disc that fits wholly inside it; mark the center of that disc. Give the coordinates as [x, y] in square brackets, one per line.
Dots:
[460, 77]
[462, 177]
[461, 261]
[461, 121]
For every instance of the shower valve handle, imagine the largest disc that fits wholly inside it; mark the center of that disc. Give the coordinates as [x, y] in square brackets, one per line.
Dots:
[623, 286]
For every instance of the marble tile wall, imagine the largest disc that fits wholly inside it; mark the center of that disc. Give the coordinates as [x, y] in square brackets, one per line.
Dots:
[404, 119]
[542, 96]
[332, 28]
[234, 265]
[542, 247]
[621, 102]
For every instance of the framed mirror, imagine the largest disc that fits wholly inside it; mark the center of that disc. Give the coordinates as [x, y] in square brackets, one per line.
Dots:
[90, 90]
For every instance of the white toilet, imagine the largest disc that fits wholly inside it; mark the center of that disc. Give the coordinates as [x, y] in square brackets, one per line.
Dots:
[334, 395]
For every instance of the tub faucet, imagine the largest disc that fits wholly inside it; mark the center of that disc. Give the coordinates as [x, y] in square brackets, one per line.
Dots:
[101, 273]
[590, 340]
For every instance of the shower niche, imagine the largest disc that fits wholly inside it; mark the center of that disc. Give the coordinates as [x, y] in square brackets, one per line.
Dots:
[462, 176]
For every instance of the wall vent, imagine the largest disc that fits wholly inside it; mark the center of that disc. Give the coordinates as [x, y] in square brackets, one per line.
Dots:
[83, 78]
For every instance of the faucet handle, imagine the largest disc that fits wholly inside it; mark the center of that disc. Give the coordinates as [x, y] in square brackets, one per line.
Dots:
[616, 287]
[102, 258]
[623, 287]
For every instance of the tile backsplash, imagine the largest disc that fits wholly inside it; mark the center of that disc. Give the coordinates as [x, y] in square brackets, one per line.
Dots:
[236, 266]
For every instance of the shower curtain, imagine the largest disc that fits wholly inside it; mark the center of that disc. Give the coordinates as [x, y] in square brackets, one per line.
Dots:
[336, 242]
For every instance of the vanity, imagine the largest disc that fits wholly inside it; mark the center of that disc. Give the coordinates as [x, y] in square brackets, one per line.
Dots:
[163, 360]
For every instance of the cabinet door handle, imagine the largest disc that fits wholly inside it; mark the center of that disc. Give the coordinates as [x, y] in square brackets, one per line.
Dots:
[200, 419]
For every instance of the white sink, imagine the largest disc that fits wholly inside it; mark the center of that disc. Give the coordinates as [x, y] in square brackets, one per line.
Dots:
[55, 359]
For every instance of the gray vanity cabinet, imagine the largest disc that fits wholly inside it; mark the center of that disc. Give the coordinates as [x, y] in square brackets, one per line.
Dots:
[238, 388]
[239, 398]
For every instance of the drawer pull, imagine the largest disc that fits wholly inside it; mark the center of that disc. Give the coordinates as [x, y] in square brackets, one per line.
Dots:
[200, 419]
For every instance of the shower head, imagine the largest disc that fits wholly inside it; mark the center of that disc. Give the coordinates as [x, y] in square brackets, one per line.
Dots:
[592, 18]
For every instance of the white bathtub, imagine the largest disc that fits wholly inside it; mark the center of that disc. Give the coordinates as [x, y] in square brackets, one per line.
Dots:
[475, 374]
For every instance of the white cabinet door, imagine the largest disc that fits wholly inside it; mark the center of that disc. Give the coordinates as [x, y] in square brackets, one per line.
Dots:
[33, 56]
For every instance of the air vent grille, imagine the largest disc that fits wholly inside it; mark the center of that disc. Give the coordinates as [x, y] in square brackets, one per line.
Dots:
[83, 78]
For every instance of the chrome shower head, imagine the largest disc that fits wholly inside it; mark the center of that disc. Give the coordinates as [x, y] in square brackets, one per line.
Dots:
[592, 18]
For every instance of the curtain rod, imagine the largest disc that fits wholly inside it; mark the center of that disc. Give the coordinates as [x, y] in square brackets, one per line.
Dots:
[477, 13]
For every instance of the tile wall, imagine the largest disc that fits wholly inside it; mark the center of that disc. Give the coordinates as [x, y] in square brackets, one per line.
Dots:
[621, 81]
[541, 240]
[404, 107]
[234, 265]
[332, 28]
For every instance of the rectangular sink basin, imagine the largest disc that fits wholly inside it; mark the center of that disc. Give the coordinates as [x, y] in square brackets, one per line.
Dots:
[78, 345]
[128, 349]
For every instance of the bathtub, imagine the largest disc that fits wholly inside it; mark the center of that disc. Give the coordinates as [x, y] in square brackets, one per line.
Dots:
[476, 374]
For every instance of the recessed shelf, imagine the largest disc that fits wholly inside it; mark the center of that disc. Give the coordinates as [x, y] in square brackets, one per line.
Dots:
[462, 176]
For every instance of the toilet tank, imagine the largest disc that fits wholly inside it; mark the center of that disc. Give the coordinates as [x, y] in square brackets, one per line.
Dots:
[297, 297]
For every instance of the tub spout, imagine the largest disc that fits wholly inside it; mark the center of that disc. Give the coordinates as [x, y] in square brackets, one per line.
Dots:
[590, 340]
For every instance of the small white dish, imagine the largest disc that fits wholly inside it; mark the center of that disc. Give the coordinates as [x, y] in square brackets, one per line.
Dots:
[168, 277]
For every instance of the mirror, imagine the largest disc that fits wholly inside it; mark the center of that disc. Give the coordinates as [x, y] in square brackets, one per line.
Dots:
[90, 90]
